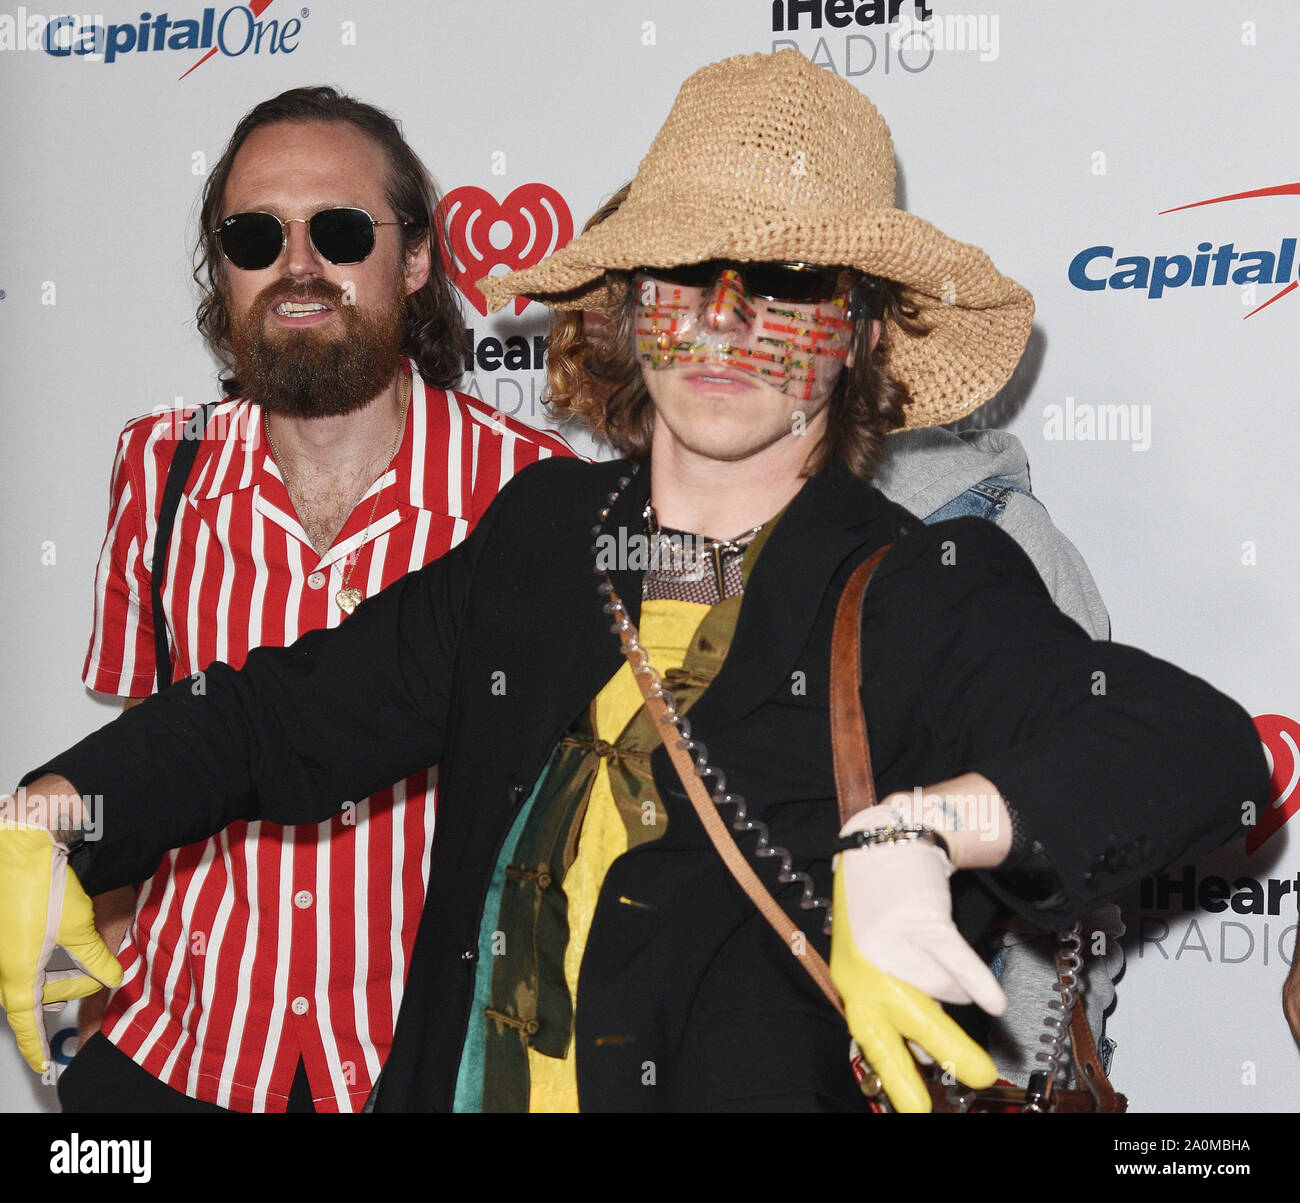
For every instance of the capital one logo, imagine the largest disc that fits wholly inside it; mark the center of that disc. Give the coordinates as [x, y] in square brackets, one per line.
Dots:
[483, 233]
[1210, 265]
[235, 32]
[1281, 738]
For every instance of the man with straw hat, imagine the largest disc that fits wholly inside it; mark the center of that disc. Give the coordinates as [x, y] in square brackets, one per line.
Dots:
[772, 316]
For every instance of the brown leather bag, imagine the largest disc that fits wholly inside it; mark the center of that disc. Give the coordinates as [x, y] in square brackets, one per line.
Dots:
[855, 787]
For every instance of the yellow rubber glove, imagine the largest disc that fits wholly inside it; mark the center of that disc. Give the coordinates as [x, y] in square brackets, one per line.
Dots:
[883, 1012]
[42, 905]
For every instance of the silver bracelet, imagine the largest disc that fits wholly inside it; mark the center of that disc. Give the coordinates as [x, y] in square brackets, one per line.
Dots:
[894, 833]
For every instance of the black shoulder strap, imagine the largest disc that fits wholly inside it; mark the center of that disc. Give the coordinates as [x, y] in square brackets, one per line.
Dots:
[187, 447]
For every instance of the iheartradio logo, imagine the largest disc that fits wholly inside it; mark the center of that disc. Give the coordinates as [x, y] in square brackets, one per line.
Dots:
[1281, 739]
[520, 231]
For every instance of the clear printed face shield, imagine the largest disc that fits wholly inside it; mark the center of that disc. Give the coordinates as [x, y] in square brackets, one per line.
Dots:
[790, 324]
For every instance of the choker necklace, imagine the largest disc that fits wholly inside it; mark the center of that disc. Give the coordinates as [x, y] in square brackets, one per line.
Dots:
[349, 598]
[686, 558]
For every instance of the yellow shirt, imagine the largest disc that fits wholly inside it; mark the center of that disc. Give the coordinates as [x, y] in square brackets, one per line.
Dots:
[666, 630]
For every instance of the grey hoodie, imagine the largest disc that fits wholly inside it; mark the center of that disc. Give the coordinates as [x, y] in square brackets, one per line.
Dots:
[928, 471]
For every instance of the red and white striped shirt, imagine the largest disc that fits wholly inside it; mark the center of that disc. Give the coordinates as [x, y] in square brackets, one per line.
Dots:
[267, 944]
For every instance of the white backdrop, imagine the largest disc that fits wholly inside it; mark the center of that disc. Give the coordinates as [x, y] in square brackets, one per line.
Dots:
[1037, 131]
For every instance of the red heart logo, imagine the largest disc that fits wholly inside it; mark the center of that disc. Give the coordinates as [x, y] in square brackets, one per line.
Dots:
[531, 223]
[1281, 738]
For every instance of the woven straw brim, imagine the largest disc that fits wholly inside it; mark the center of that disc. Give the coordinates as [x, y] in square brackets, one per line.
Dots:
[978, 319]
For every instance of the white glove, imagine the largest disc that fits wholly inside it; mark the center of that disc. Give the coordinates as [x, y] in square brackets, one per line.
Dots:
[900, 913]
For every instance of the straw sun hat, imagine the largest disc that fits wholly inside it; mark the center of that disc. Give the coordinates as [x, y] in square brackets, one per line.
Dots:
[766, 157]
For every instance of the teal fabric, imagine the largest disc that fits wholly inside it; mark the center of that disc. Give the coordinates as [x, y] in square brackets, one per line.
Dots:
[469, 1078]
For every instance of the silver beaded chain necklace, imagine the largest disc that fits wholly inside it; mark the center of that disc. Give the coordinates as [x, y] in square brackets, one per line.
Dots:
[639, 660]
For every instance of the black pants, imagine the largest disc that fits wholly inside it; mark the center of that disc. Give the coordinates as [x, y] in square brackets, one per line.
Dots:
[103, 1080]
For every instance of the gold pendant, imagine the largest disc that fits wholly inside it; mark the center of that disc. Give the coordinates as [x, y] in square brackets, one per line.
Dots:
[348, 599]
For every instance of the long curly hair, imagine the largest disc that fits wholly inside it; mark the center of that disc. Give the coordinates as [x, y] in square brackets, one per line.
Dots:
[593, 375]
[435, 336]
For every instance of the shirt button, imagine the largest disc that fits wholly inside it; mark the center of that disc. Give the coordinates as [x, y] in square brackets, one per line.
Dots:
[299, 1006]
[316, 580]
[302, 899]
[469, 955]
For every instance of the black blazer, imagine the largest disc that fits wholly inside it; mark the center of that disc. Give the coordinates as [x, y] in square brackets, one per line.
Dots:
[1114, 764]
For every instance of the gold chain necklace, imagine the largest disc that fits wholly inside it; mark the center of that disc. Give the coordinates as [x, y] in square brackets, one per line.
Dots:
[349, 598]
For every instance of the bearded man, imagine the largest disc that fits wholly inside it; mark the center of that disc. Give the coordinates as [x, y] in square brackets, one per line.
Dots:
[263, 969]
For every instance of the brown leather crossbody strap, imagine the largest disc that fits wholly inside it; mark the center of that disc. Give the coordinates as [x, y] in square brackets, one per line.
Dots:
[722, 839]
[1089, 1073]
[855, 786]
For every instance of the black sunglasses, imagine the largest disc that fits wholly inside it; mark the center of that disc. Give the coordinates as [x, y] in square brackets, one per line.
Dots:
[252, 241]
[794, 283]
